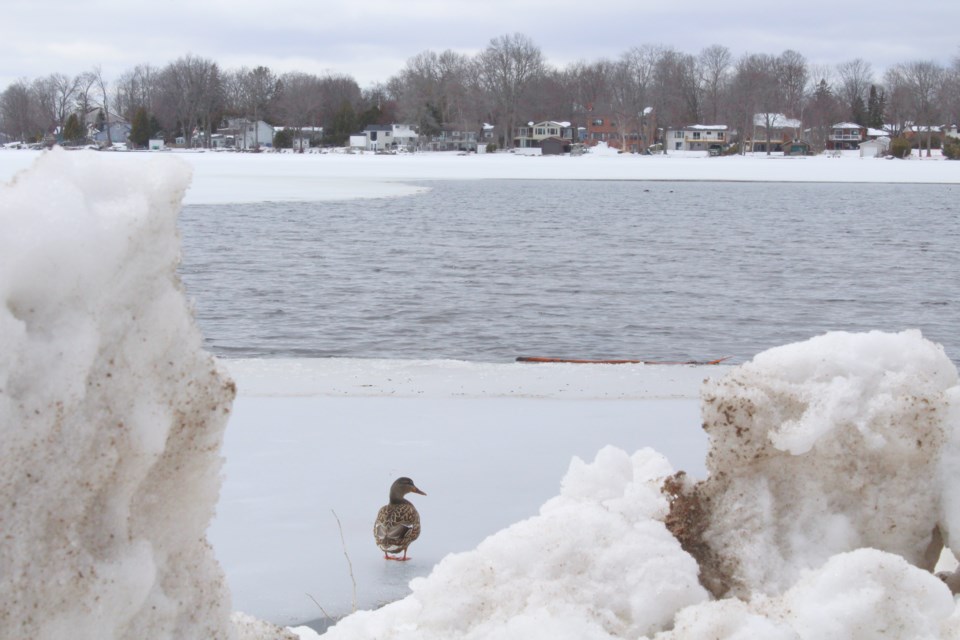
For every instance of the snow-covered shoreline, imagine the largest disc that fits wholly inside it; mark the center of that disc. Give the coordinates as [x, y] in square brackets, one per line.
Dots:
[220, 178]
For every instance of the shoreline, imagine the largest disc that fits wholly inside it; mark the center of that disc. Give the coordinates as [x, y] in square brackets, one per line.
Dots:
[234, 178]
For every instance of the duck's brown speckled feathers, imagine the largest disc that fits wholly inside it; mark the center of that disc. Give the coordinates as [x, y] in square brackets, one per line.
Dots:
[397, 523]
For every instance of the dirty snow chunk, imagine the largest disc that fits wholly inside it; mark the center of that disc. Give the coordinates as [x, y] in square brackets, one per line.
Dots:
[597, 562]
[305, 633]
[819, 448]
[111, 414]
[859, 595]
[249, 628]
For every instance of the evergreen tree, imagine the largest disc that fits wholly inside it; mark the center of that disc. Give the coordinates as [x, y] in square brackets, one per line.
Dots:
[344, 123]
[858, 111]
[140, 129]
[72, 131]
[283, 139]
[153, 126]
[876, 105]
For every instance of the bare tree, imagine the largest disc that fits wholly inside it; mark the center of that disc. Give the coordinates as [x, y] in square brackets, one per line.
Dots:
[134, 89]
[951, 94]
[856, 76]
[260, 88]
[191, 95]
[19, 112]
[299, 101]
[433, 92]
[676, 89]
[714, 65]
[55, 94]
[822, 111]
[792, 77]
[756, 93]
[924, 81]
[85, 103]
[101, 85]
[507, 67]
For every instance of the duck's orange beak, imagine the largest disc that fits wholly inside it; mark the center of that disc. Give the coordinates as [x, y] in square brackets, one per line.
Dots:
[415, 490]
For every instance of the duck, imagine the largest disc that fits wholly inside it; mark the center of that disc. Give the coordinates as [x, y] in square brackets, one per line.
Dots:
[397, 523]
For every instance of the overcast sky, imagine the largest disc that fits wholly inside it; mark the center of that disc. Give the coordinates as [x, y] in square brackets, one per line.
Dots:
[372, 39]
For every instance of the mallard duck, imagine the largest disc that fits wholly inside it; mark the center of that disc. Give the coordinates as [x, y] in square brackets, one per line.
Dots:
[397, 523]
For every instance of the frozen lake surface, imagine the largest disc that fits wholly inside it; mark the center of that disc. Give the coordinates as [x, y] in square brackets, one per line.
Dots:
[493, 269]
[488, 442]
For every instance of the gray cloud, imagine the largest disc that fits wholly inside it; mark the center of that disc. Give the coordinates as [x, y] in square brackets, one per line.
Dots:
[372, 39]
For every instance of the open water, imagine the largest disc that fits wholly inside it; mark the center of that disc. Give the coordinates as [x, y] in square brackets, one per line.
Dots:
[494, 269]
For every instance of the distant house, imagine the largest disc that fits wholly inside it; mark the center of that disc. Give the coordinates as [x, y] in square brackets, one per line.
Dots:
[951, 131]
[118, 132]
[631, 133]
[601, 128]
[451, 139]
[697, 137]
[243, 134]
[776, 128]
[386, 137]
[846, 136]
[534, 133]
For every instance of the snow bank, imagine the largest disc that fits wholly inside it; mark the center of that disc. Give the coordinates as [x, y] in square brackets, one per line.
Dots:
[597, 562]
[860, 595]
[830, 468]
[111, 414]
[819, 448]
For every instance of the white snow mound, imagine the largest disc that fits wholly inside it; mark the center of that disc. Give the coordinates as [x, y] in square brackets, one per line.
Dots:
[597, 562]
[111, 414]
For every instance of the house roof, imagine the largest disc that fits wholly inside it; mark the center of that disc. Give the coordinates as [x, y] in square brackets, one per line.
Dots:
[777, 120]
[548, 122]
[704, 127]
[847, 125]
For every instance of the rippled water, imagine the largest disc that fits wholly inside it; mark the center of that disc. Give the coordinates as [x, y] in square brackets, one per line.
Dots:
[491, 270]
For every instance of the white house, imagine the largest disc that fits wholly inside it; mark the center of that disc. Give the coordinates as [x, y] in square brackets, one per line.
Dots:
[697, 137]
[534, 133]
[385, 137]
[245, 134]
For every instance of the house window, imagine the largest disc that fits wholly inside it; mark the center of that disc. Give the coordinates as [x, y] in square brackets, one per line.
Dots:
[539, 131]
[678, 134]
[720, 135]
[597, 122]
[696, 135]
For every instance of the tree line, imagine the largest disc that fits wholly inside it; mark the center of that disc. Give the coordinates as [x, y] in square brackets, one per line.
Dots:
[507, 83]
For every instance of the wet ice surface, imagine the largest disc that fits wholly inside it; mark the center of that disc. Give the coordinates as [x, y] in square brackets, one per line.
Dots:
[487, 456]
